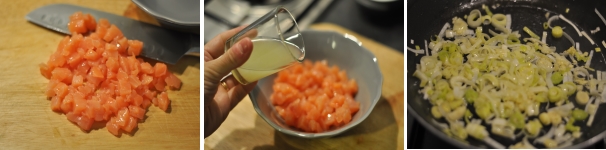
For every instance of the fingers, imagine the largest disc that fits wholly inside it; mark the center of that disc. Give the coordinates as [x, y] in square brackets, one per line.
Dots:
[226, 99]
[215, 47]
[250, 34]
[237, 93]
[249, 87]
[231, 82]
[234, 58]
[215, 70]
[218, 108]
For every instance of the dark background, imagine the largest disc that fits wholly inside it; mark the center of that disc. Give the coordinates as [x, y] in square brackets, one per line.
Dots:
[386, 28]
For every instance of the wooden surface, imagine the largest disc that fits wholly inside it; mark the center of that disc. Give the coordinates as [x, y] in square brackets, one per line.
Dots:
[26, 120]
[382, 130]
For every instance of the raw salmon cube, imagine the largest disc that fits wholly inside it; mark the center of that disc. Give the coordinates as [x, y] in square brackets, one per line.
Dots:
[163, 101]
[132, 124]
[172, 81]
[135, 47]
[112, 33]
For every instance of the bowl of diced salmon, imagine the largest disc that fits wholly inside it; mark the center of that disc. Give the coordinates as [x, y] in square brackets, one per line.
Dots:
[332, 90]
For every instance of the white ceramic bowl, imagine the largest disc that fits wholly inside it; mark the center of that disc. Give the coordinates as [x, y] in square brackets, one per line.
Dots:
[337, 49]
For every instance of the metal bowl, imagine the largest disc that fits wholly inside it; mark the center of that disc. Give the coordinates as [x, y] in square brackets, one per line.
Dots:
[431, 16]
[182, 15]
[337, 49]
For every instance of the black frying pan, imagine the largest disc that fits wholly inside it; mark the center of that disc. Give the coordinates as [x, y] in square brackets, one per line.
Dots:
[426, 18]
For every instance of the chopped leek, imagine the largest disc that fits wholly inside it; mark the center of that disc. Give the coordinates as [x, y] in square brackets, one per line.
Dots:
[557, 32]
[579, 114]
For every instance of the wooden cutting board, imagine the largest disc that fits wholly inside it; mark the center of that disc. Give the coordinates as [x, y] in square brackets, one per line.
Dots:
[26, 120]
[382, 130]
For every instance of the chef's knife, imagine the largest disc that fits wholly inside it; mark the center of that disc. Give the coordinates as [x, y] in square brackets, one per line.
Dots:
[158, 43]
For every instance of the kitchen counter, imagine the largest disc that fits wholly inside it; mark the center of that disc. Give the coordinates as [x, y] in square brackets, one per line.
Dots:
[26, 119]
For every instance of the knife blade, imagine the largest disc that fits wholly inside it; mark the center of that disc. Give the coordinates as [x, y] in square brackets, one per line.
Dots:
[158, 43]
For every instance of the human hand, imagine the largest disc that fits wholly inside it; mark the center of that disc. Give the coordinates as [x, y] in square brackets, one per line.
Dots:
[219, 99]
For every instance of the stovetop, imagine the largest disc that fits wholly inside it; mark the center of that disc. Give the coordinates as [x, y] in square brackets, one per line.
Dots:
[222, 15]
[421, 138]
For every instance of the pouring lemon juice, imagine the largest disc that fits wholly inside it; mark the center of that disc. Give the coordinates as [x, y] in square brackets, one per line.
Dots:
[272, 50]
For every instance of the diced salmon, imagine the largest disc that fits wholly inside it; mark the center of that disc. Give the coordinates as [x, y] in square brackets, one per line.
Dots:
[113, 127]
[79, 105]
[136, 99]
[74, 59]
[93, 107]
[132, 124]
[146, 79]
[83, 122]
[90, 22]
[112, 33]
[172, 81]
[124, 65]
[56, 61]
[87, 43]
[112, 64]
[135, 47]
[136, 111]
[159, 69]
[68, 104]
[146, 103]
[45, 71]
[99, 112]
[73, 44]
[104, 23]
[97, 72]
[95, 76]
[124, 87]
[123, 117]
[91, 55]
[134, 81]
[120, 103]
[314, 97]
[111, 51]
[50, 88]
[133, 64]
[82, 69]
[77, 81]
[122, 45]
[155, 101]
[147, 68]
[160, 84]
[61, 74]
[61, 90]
[84, 90]
[93, 81]
[163, 101]
[77, 26]
[111, 106]
[56, 104]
